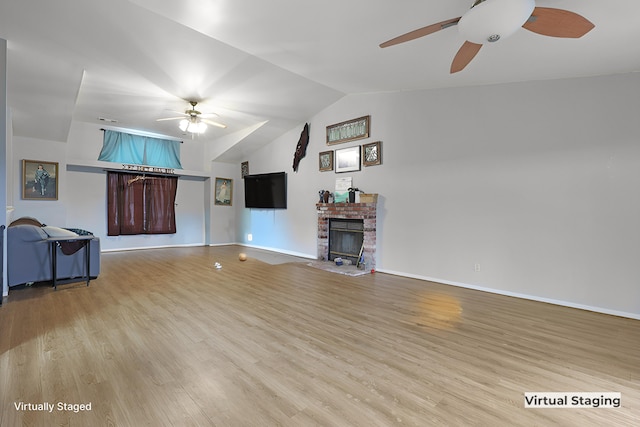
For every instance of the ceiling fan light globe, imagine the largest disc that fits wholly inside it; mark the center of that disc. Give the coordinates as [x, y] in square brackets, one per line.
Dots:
[199, 127]
[493, 20]
[192, 126]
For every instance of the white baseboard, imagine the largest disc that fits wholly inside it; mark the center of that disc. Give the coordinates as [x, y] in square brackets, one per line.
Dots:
[140, 248]
[518, 295]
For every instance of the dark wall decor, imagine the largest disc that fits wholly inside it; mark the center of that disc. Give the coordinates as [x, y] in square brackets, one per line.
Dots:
[325, 160]
[372, 153]
[301, 148]
[348, 131]
[244, 169]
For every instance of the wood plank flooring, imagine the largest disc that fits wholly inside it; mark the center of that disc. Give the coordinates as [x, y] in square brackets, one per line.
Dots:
[162, 338]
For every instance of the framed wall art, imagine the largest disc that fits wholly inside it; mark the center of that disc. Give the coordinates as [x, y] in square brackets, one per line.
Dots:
[39, 180]
[223, 192]
[372, 153]
[348, 159]
[348, 131]
[244, 169]
[325, 161]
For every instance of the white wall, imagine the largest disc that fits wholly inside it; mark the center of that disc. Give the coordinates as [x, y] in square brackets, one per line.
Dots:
[536, 182]
[292, 230]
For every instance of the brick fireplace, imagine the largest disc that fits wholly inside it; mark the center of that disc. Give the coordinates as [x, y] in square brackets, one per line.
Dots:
[364, 211]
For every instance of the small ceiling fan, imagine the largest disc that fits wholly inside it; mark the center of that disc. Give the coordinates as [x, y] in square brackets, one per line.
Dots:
[194, 121]
[491, 20]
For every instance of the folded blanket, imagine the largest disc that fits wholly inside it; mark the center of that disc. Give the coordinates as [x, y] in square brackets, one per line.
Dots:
[80, 231]
[70, 248]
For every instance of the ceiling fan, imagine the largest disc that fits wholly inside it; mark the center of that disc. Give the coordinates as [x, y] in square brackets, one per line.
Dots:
[491, 20]
[194, 121]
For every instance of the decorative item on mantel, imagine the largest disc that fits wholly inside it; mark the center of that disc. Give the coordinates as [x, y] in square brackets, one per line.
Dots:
[341, 193]
[325, 196]
[368, 198]
[352, 194]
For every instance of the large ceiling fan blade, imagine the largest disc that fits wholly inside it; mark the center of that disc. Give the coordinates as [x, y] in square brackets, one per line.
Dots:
[465, 54]
[558, 23]
[212, 123]
[170, 118]
[421, 32]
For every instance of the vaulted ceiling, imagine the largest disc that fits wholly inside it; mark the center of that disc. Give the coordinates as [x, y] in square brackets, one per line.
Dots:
[266, 66]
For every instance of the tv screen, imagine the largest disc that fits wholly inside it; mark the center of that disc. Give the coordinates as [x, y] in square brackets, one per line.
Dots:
[266, 191]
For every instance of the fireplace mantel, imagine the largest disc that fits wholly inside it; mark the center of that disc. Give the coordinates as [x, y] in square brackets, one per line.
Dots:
[365, 211]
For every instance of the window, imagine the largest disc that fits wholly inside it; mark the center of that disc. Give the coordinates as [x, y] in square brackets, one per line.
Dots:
[140, 204]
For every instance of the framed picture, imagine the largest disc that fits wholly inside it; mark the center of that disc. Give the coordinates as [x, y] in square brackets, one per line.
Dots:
[348, 159]
[326, 161]
[223, 192]
[244, 169]
[372, 153]
[348, 131]
[39, 180]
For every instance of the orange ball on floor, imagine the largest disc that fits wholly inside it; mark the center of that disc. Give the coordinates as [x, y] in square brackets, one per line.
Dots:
[242, 256]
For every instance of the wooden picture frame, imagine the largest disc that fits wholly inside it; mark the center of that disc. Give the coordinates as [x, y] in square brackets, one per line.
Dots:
[223, 192]
[325, 161]
[372, 153]
[39, 180]
[349, 130]
[347, 159]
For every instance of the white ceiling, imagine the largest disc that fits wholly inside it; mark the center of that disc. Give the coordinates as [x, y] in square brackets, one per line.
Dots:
[256, 61]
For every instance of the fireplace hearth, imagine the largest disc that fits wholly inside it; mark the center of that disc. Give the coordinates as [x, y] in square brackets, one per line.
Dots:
[345, 215]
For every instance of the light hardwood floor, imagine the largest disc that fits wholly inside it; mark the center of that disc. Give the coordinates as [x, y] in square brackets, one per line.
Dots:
[162, 338]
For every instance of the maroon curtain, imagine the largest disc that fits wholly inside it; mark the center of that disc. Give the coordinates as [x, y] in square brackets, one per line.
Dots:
[140, 204]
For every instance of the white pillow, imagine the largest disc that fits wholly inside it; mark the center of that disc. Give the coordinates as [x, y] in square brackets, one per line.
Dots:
[58, 232]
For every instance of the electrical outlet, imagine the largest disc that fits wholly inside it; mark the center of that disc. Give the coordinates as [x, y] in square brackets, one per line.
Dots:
[477, 267]
[249, 237]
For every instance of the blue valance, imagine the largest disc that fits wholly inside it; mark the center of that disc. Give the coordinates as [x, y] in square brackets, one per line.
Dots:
[120, 147]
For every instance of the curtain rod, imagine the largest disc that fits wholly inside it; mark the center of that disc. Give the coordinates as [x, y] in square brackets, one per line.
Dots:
[141, 133]
[141, 172]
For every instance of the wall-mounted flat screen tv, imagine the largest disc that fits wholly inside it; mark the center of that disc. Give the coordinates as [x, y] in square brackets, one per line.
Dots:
[266, 191]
